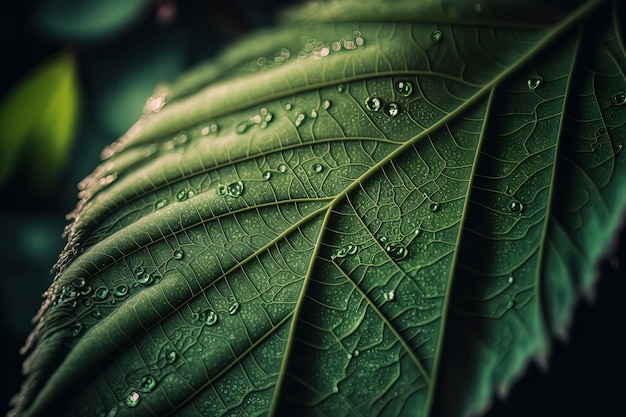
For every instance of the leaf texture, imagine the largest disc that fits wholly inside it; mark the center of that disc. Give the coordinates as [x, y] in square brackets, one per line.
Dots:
[380, 214]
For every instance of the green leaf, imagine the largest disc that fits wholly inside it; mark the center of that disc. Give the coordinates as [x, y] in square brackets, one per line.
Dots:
[386, 217]
[37, 120]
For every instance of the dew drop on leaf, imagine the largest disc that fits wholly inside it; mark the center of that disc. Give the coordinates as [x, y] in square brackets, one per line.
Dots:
[101, 293]
[326, 104]
[404, 88]
[282, 168]
[75, 328]
[233, 307]
[266, 175]
[397, 251]
[511, 280]
[181, 195]
[317, 168]
[209, 317]
[335, 389]
[340, 88]
[234, 189]
[211, 128]
[147, 384]
[392, 109]
[178, 254]
[80, 282]
[515, 206]
[299, 119]
[288, 106]
[434, 207]
[618, 99]
[144, 279]
[373, 103]
[132, 400]
[356, 352]
[160, 204]
[138, 270]
[436, 35]
[390, 295]
[121, 291]
[156, 103]
[534, 82]
[171, 357]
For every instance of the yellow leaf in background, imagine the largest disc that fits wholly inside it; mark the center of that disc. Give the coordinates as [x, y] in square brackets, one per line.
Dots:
[37, 120]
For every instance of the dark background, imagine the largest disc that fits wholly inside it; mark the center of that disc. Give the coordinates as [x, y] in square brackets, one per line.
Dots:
[117, 71]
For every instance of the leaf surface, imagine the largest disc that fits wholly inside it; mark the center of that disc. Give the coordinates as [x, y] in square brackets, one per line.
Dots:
[384, 217]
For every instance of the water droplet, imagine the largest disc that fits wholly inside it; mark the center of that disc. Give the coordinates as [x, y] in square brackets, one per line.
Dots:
[288, 106]
[515, 206]
[266, 175]
[147, 384]
[534, 82]
[397, 251]
[317, 168]
[511, 280]
[101, 293]
[434, 207]
[132, 400]
[181, 195]
[242, 127]
[436, 35]
[211, 128]
[618, 99]
[349, 355]
[234, 189]
[326, 104]
[138, 270]
[390, 295]
[510, 305]
[373, 103]
[121, 291]
[75, 329]
[345, 251]
[80, 282]
[313, 113]
[300, 119]
[335, 389]
[282, 168]
[404, 88]
[392, 109]
[340, 88]
[171, 357]
[178, 254]
[160, 204]
[209, 317]
[356, 352]
[144, 279]
[156, 103]
[233, 307]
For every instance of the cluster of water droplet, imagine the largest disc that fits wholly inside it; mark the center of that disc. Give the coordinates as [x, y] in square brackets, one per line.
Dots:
[317, 49]
[260, 119]
[396, 250]
[278, 58]
[375, 103]
[234, 189]
[344, 252]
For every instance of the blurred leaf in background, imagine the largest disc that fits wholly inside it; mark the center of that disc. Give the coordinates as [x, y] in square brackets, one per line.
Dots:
[38, 118]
